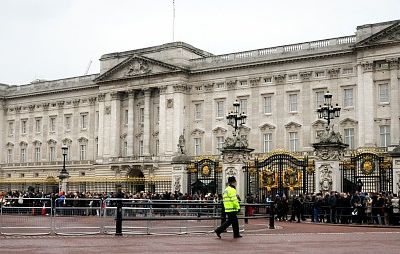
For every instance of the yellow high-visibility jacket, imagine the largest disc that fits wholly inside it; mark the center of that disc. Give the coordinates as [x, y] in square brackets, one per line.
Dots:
[231, 203]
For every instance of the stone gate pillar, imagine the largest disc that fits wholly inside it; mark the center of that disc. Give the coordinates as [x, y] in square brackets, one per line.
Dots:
[329, 152]
[179, 168]
[235, 154]
[395, 154]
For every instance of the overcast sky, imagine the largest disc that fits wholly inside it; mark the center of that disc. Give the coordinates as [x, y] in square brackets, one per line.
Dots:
[53, 39]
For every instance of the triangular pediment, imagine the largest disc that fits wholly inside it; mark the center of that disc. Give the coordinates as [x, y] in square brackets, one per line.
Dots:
[388, 35]
[137, 67]
[266, 127]
[318, 123]
[292, 125]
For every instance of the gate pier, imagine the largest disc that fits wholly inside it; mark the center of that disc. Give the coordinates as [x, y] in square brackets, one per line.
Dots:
[234, 158]
[329, 152]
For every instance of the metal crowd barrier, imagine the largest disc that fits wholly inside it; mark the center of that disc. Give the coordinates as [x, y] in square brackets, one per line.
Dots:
[26, 216]
[81, 216]
[69, 216]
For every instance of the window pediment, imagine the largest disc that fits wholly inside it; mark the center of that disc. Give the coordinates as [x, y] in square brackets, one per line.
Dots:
[9, 145]
[83, 140]
[292, 125]
[348, 122]
[66, 141]
[319, 124]
[37, 143]
[219, 131]
[266, 126]
[197, 132]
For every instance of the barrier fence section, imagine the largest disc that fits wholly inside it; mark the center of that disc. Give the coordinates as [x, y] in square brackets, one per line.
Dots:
[78, 216]
[26, 216]
[70, 216]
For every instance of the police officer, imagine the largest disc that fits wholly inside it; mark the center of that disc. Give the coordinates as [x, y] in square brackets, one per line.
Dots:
[232, 207]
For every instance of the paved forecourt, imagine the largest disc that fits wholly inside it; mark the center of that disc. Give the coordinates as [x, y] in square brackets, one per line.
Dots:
[287, 238]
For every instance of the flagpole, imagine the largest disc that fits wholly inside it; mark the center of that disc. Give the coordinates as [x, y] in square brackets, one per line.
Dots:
[173, 20]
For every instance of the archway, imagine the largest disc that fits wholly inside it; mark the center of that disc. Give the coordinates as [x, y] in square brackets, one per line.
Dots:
[135, 179]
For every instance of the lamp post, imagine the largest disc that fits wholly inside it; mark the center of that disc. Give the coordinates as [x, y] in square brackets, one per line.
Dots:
[327, 111]
[235, 118]
[64, 175]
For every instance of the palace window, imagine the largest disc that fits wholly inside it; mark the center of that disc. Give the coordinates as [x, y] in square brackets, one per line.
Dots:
[11, 128]
[220, 143]
[52, 123]
[52, 153]
[267, 142]
[38, 125]
[197, 146]
[9, 155]
[348, 97]
[268, 80]
[267, 104]
[84, 121]
[293, 103]
[294, 142]
[349, 137]
[197, 111]
[37, 154]
[243, 106]
[67, 122]
[23, 126]
[319, 98]
[384, 133]
[23, 155]
[82, 152]
[220, 109]
[384, 93]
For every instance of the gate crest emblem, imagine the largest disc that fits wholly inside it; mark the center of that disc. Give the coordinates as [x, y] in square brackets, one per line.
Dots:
[367, 166]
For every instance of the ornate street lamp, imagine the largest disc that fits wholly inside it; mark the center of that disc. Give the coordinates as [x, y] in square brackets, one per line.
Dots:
[235, 118]
[64, 175]
[327, 111]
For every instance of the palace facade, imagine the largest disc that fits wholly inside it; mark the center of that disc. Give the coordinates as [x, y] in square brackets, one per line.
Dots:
[125, 122]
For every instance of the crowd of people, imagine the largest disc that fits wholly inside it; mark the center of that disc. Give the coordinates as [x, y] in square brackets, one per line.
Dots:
[344, 208]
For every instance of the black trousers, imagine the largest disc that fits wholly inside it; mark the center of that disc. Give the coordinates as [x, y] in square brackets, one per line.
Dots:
[232, 220]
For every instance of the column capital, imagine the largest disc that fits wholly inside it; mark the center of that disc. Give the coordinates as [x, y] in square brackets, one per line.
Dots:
[367, 66]
[116, 95]
[45, 105]
[179, 88]
[92, 100]
[32, 107]
[147, 92]
[60, 104]
[131, 93]
[163, 89]
[18, 109]
[75, 102]
[393, 63]
[101, 97]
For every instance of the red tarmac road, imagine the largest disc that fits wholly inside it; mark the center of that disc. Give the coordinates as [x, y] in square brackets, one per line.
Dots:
[288, 238]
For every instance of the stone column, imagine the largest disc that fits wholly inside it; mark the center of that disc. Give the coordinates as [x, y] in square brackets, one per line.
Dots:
[76, 131]
[162, 131]
[60, 128]
[178, 113]
[115, 122]
[233, 161]
[327, 165]
[100, 131]
[3, 129]
[394, 101]
[131, 117]
[395, 154]
[365, 109]
[146, 128]
[92, 129]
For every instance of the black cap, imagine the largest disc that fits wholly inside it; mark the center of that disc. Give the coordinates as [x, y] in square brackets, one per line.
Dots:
[231, 179]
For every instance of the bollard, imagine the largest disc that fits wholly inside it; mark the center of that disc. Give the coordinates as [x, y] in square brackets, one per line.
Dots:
[272, 216]
[118, 220]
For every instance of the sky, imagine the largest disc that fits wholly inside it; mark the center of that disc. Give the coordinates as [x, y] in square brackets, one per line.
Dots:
[55, 39]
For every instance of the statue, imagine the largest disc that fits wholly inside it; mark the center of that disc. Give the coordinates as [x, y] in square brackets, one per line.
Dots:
[181, 145]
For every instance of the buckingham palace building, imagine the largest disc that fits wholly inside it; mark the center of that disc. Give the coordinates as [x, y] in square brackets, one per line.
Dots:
[123, 124]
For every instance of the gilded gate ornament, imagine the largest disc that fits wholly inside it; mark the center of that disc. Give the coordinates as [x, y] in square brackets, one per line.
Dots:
[269, 179]
[367, 166]
[205, 171]
[292, 178]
